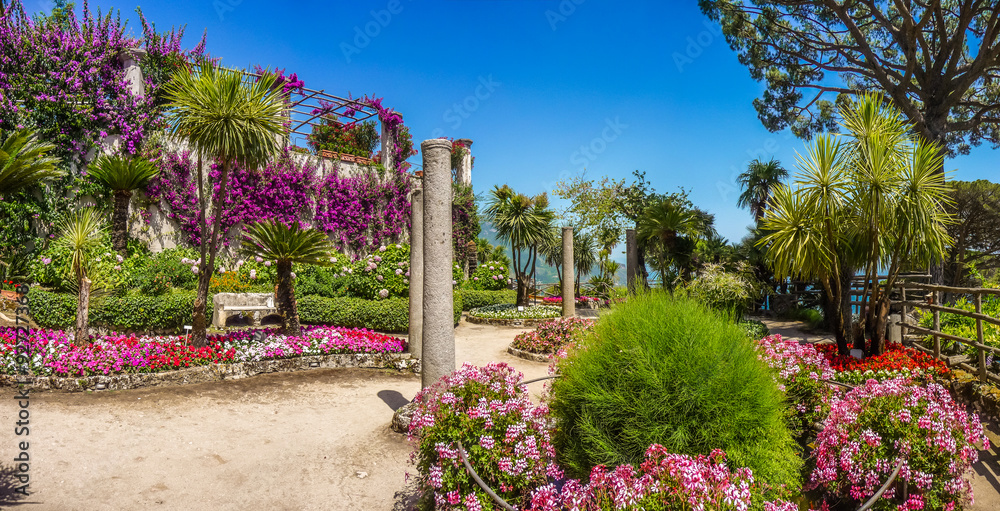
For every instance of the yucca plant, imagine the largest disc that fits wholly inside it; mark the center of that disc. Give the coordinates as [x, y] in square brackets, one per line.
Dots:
[24, 161]
[234, 121]
[287, 244]
[80, 235]
[872, 199]
[524, 223]
[123, 175]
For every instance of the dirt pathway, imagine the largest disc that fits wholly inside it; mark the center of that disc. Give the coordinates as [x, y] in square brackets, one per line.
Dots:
[293, 441]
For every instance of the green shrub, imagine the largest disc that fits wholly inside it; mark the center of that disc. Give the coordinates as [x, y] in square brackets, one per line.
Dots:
[755, 329]
[390, 315]
[666, 370]
[319, 280]
[490, 276]
[170, 264]
[474, 298]
[135, 313]
[384, 274]
[52, 310]
[724, 291]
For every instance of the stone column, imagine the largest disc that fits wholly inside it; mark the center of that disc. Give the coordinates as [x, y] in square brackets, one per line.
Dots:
[632, 261]
[569, 274]
[133, 73]
[464, 171]
[416, 271]
[438, 340]
[388, 148]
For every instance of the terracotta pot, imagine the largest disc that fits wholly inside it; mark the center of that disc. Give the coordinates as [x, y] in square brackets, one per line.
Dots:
[418, 173]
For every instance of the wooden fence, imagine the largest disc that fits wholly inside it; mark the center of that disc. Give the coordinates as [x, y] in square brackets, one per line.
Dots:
[933, 305]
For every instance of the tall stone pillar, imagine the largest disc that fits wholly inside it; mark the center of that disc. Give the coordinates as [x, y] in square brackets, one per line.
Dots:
[632, 261]
[569, 274]
[464, 171]
[388, 148]
[416, 271]
[133, 73]
[438, 340]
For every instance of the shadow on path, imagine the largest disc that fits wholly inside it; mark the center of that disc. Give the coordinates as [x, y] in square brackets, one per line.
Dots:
[394, 399]
[9, 484]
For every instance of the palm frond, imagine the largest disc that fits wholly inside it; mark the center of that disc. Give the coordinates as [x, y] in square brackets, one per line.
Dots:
[24, 161]
[122, 173]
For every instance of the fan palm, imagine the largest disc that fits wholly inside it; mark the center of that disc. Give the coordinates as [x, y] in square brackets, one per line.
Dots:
[123, 175]
[662, 224]
[24, 161]
[234, 121]
[287, 244]
[758, 183]
[875, 200]
[80, 236]
[524, 223]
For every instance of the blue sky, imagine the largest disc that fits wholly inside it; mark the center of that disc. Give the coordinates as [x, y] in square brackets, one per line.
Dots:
[546, 89]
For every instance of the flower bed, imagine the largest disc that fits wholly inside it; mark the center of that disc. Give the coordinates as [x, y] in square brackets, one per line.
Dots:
[553, 335]
[882, 422]
[508, 441]
[53, 354]
[800, 367]
[509, 311]
[897, 360]
[583, 301]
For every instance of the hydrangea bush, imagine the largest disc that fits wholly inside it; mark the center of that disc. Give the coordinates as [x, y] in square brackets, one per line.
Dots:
[383, 274]
[879, 423]
[490, 276]
[551, 336]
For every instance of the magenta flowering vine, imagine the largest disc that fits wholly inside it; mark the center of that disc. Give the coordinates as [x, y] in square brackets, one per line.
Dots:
[67, 80]
[364, 212]
[283, 190]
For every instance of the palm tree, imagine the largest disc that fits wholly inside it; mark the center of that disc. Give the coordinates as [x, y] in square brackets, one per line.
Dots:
[233, 121]
[123, 175]
[663, 224]
[523, 222]
[24, 161]
[81, 233]
[584, 254]
[287, 244]
[758, 183]
[875, 201]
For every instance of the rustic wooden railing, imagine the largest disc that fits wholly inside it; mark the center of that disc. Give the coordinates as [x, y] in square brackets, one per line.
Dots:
[933, 305]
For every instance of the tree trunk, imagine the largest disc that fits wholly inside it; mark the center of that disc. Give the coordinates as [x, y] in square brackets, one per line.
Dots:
[200, 323]
[522, 292]
[285, 299]
[119, 221]
[82, 338]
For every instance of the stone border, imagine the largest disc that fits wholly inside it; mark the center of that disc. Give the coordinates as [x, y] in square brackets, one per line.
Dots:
[219, 372]
[527, 355]
[527, 323]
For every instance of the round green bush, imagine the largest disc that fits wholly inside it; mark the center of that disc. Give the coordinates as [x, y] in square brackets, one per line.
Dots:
[490, 276]
[667, 370]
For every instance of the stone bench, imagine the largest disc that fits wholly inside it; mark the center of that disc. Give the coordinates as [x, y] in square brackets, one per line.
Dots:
[227, 304]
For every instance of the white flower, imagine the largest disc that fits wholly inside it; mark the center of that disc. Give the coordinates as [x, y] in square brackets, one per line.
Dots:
[407, 274]
[382, 248]
[107, 254]
[194, 269]
[475, 278]
[492, 268]
[333, 259]
[118, 268]
[454, 283]
[398, 245]
[379, 278]
[384, 293]
[222, 269]
[399, 271]
[293, 274]
[185, 260]
[378, 259]
[259, 259]
[267, 263]
[97, 260]
[253, 274]
[120, 258]
[406, 281]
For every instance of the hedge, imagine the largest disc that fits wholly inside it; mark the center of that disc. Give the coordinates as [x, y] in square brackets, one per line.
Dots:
[124, 314]
[474, 298]
[390, 315]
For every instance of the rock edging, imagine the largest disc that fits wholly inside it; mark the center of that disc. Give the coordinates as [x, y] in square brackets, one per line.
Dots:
[527, 323]
[527, 355]
[215, 372]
